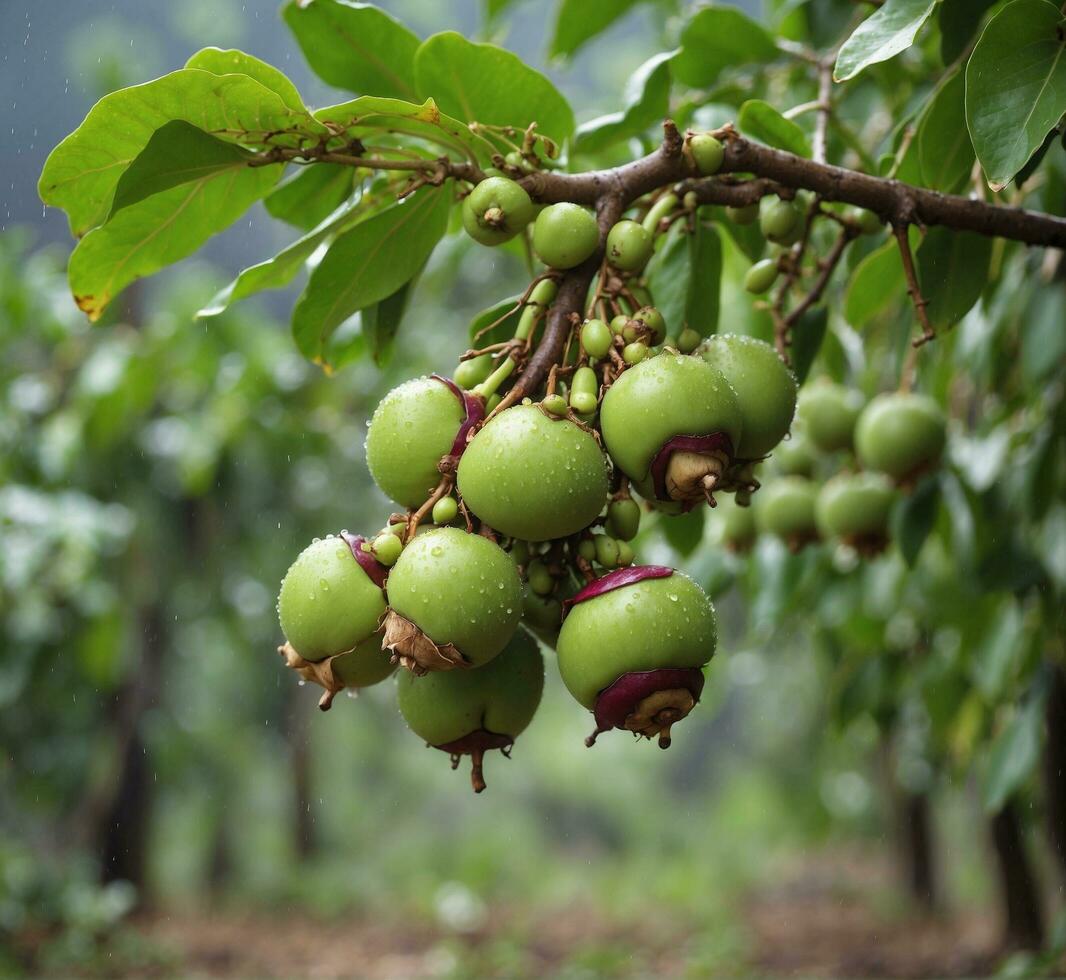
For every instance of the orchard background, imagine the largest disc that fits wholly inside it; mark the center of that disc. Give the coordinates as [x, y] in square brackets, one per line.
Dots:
[873, 783]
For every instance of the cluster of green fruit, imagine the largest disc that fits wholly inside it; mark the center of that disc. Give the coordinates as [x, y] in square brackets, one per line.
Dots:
[529, 497]
[889, 444]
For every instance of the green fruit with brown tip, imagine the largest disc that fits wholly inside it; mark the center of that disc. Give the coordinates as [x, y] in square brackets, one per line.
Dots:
[855, 507]
[629, 246]
[533, 477]
[564, 235]
[829, 412]
[412, 428]
[328, 604]
[778, 219]
[902, 434]
[364, 666]
[785, 508]
[761, 276]
[708, 153]
[651, 321]
[469, 712]
[460, 590]
[764, 385]
[496, 210]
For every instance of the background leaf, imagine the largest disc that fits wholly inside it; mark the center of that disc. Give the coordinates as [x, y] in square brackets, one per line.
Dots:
[763, 122]
[885, 33]
[952, 270]
[647, 99]
[807, 337]
[311, 194]
[914, 517]
[875, 285]
[1013, 755]
[717, 38]
[959, 20]
[577, 21]
[945, 152]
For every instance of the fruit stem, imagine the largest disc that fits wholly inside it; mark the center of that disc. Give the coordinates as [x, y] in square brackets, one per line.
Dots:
[539, 300]
[477, 773]
[659, 210]
[488, 387]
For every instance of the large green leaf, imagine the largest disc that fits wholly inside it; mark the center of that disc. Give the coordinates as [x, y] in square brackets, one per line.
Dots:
[885, 33]
[763, 122]
[684, 274]
[505, 315]
[959, 20]
[1014, 754]
[483, 83]
[717, 38]
[647, 101]
[704, 299]
[807, 337]
[578, 21]
[875, 285]
[311, 194]
[159, 230]
[381, 321]
[81, 173]
[1015, 86]
[945, 152]
[230, 61]
[355, 46]
[367, 264]
[952, 270]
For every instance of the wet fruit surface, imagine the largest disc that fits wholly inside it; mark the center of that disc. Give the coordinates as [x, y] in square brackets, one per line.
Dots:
[564, 235]
[901, 434]
[364, 666]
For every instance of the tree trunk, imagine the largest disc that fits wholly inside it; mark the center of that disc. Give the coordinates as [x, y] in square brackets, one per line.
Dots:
[916, 834]
[1024, 926]
[1055, 766]
[297, 734]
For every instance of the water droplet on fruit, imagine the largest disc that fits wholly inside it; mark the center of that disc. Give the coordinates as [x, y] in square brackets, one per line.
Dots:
[436, 551]
[323, 585]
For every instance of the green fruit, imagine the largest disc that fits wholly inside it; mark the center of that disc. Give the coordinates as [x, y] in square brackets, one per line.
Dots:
[761, 276]
[746, 215]
[623, 518]
[555, 405]
[564, 235]
[445, 510]
[596, 338]
[413, 427]
[649, 625]
[328, 604]
[737, 524]
[619, 324]
[629, 246]
[458, 589]
[778, 219]
[901, 434]
[472, 711]
[496, 210]
[664, 397]
[707, 152]
[634, 353]
[469, 374]
[533, 477]
[794, 456]
[606, 550]
[765, 388]
[829, 412]
[785, 508]
[386, 548]
[654, 324]
[855, 507]
[687, 342]
[626, 555]
[539, 578]
[364, 666]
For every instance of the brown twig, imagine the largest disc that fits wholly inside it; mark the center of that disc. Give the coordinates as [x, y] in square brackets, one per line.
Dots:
[914, 290]
[820, 143]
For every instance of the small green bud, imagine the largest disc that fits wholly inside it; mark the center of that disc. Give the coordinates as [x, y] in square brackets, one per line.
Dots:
[653, 321]
[634, 353]
[445, 510]
[618, 324]
[623, 518]
[606, 551]
[539, 578]
[469, 374]
[386, 548]
[587, 549]
[596, 338]
[707, 152]
[688, 341]
[761, 276]
[554, 405]
[626, 555]
[582, 402]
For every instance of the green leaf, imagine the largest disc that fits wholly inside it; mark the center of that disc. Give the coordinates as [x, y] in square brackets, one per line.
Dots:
[483, 83]
[669, 276]
[159, 230]
[807, 337]
[80, 175]
[875, 285]
[176, 154]
[230, 61]
[381, 321]
[1001, 649]
[355, 46]
[701, 311]
[717, 38]
[1014, 754]
[578, 21]
[684, 532]
[504, 314]
[647, 101]
[952, 271]
[885, 33]
[959, 20]
[945, 152]
[1015, 86]
[311, 194]
[367, 264]
[1043, 339]
[763, 122]
[914, 517]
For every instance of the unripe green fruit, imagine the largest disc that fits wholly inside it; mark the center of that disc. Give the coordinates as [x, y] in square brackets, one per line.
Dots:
[647, 625]
[532, 477]
[412, 428]
[327, 604]
[761, 276]
[737, 524]
[653, 322]
[778, 219]
[747, 215]
[765, 388]
[665, 396]
[544, 615]
[582, 402]
[786, 509]
[459, 711]
[606, 550]
[539, 578]
[634, 353]
[901, 434]
[829, 412]
[794, 456]
[364, 666]
[855, 507]
[445, 510]
[564, 235]
[596, 338]
[626, 555]
[629, 246]
[496, 210]
[469, 374]
[687, 342]
[619, 324]
[623, 518]
[458, 589]
[386, 548]
[555, 405]
[587, 549]
[707, 152]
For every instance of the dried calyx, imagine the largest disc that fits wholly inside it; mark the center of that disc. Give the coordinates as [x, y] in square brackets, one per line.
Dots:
[690, 468]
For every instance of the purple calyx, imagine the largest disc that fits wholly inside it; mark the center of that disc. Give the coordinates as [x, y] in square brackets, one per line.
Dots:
[714, 442]
[648, 702]
[375, 571]
[473, 413]
[616, 580]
